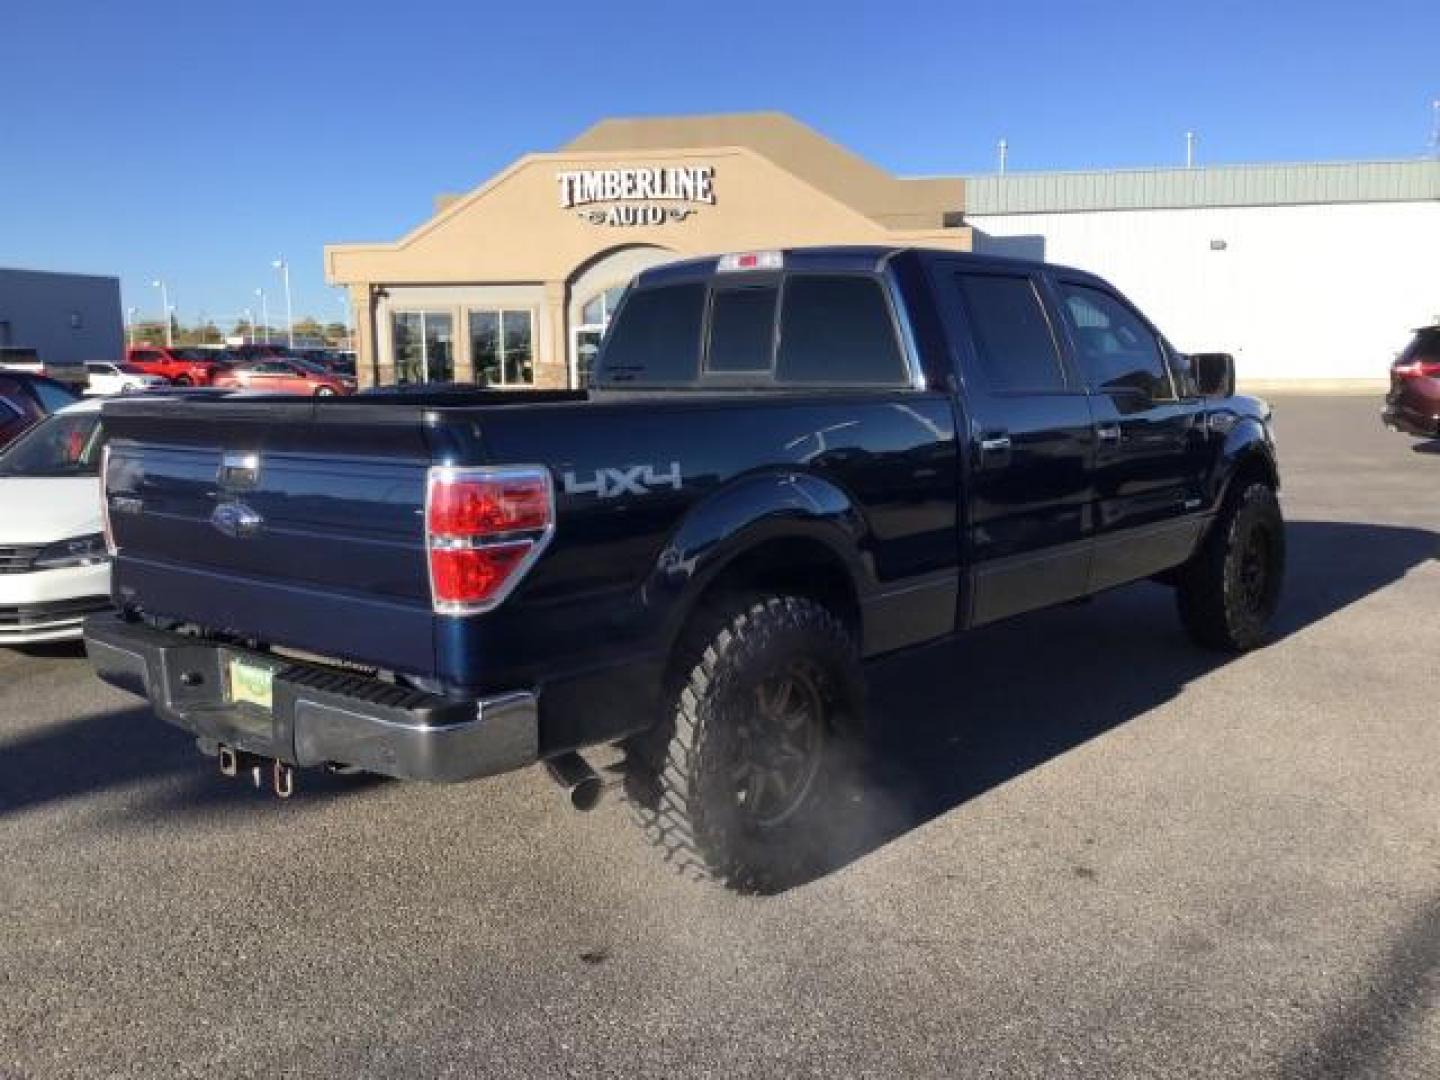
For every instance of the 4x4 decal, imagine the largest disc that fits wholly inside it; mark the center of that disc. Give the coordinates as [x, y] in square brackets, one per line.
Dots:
[631, 480]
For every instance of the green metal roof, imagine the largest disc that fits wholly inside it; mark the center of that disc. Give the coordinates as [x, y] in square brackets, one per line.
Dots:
[1223, 185]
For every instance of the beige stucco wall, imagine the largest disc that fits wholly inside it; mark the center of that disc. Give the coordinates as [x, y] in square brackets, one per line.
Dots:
[514, 232]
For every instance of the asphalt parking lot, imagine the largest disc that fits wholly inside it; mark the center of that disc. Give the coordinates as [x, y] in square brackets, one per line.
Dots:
[1086, 849]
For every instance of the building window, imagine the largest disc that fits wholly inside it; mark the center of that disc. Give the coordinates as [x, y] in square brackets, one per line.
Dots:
[601, 307]
[502, 346]
[423, 347]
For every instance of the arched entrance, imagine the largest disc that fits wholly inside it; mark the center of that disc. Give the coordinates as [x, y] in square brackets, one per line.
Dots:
[595, 290]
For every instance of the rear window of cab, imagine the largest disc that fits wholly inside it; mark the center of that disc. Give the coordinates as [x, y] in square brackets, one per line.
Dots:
[765, 331]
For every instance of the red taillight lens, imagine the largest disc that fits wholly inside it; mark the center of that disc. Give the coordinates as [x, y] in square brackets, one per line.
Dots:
[470, 575]
[478, 505]
[484, 529]
[1418, 369]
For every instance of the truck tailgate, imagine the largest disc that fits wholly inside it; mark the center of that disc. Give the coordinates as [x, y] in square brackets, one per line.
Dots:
[319, 546]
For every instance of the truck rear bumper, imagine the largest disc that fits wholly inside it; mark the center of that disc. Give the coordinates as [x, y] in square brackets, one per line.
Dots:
[318, 715]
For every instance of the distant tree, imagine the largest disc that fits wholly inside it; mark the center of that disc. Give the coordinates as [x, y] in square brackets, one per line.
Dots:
[336, 333]
[205, 333]
[308, 327]
[149, 333]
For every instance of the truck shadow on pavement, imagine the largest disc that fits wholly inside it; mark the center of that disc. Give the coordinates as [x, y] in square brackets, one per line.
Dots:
[950, 722]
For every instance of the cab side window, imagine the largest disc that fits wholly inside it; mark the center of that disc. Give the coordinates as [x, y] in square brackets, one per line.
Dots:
[1118, 353]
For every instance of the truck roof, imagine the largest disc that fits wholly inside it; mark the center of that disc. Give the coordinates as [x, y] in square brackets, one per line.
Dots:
[864, 257]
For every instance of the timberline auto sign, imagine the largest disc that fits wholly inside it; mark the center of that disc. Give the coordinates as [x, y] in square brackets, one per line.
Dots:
[636, 195]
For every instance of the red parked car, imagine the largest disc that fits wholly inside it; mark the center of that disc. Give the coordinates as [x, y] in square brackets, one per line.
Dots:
[1413, 404]
[183, 367]
[286, 375]
[25, 400]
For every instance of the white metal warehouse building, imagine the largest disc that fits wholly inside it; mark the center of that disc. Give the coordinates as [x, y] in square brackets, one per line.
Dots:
[1304, 272]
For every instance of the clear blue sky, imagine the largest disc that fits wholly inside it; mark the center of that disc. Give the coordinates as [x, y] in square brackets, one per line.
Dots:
[198, 140]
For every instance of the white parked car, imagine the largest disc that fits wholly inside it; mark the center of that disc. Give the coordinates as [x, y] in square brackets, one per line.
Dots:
[54, 569]
[108, 378]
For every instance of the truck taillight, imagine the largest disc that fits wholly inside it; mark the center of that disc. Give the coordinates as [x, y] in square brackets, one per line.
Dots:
[1418, 369]
[484, 528]
[105, 528]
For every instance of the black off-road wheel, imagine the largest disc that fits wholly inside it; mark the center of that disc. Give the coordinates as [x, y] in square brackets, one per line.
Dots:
[1229, 591]
[762, 706]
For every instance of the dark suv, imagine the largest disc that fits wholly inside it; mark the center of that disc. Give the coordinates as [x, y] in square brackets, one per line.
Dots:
[1413, 404]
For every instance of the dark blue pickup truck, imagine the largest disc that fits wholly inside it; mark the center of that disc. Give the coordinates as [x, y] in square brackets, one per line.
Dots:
[787, 463]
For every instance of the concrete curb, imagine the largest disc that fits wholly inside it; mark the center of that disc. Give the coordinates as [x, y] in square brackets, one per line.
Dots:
[1314, 386]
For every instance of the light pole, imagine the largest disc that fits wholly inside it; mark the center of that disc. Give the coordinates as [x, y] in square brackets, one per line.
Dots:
[284, 268]
[1189, 149]
[1004, 147]
[264, 313]
[130, 326]
[250, 318]
[165, 305]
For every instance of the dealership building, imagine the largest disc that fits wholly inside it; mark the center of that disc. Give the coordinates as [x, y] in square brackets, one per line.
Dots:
[1302, 271]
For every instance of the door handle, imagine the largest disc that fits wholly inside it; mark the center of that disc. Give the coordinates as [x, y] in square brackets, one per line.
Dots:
[994, 449]
[1108, 433]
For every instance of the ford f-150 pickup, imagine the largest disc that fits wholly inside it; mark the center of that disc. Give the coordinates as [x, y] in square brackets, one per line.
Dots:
[786, 464]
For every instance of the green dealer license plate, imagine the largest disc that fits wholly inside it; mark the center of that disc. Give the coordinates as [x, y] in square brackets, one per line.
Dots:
[251, 683]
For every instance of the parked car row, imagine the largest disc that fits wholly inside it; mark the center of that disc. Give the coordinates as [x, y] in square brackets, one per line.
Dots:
[270, 368]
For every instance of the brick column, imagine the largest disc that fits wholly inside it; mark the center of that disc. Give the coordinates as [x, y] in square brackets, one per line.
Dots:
[362, 307]
[464, 361]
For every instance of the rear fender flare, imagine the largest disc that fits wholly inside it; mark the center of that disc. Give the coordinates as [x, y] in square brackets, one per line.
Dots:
[738, 519]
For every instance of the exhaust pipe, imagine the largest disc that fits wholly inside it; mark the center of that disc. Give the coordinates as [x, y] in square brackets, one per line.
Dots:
[580, 781]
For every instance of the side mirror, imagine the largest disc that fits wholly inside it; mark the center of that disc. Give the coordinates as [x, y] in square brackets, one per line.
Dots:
[1214, 373]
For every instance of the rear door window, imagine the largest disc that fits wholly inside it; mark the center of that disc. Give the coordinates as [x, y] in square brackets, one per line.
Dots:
[742, 329]
[1012, 335]
[655, 340]
[837, 329]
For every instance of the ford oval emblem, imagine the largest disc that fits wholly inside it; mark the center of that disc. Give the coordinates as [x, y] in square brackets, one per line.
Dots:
[236, 519]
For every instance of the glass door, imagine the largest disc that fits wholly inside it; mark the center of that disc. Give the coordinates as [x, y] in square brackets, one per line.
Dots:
[586, 345]
[502, 347]
[423, 347]
[595, 317]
